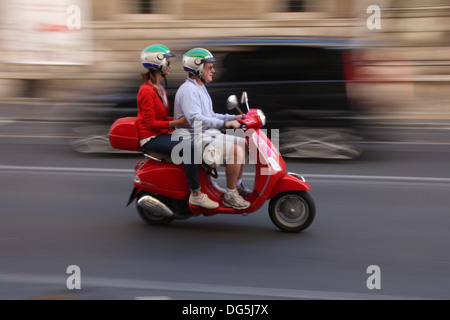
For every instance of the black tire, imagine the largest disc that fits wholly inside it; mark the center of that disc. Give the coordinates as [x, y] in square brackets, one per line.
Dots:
[292, 211]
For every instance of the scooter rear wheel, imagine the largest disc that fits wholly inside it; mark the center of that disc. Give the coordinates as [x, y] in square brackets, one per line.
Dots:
[292, 211]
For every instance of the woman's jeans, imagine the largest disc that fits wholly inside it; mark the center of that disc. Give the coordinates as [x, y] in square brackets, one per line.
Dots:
[164, 144]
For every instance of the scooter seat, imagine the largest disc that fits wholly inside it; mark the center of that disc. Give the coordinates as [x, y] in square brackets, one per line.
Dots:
[158, 156]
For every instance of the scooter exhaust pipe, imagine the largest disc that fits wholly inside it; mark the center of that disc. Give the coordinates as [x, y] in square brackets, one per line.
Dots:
[155, 206]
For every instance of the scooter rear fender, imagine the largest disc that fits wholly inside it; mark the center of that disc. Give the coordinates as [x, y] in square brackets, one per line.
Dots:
[290, 182]
[134, 193]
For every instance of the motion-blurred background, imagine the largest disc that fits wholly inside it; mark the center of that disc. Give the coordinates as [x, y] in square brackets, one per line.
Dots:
[325, 66]
[367, 82]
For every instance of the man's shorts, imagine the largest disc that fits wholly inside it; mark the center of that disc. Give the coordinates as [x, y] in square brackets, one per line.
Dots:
[218, 148]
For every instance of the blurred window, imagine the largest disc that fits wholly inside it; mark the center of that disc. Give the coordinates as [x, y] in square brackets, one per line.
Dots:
[280, 63]
[146, 6]
[296, 5]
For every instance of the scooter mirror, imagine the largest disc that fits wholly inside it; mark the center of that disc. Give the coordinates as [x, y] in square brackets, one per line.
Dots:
[232, 102]
[244, 99]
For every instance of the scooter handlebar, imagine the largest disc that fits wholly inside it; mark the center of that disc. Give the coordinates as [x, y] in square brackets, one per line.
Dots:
[253, 119]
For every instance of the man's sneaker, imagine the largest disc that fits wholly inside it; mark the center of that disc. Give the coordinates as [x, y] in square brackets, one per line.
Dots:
[235, 201]
[203, 201]
[243, 191]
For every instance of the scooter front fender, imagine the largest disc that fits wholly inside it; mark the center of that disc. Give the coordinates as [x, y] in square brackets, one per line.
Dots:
[290, 182]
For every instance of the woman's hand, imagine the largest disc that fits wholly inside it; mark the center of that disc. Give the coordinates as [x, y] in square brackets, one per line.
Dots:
[183, 123]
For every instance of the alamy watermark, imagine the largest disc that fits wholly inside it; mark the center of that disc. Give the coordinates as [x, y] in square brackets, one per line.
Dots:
[74, 280]
[374, 20]
[215, 148]
[374, 280]
[73, 22]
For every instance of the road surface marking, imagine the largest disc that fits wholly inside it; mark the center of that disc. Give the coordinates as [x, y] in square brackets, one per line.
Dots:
[307, 176]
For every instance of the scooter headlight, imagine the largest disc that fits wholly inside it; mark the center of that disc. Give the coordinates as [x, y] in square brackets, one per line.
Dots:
[262, 117]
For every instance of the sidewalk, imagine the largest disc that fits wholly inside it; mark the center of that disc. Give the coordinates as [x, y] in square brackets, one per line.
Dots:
[52, 110]
[394, 127]
[48, 110]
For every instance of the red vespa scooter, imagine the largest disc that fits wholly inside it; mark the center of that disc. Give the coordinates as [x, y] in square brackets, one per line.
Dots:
[161, 188]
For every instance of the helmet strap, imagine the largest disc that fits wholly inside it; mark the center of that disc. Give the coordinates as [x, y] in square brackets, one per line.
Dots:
[163, 76]
[197, 74]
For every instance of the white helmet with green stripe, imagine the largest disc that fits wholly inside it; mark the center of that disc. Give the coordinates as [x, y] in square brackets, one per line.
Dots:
[155, 56]
[194, 60]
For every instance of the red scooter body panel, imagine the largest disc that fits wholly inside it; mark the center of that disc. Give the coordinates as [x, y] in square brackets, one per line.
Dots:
[270, 166]
[164, 178]
[288, 183]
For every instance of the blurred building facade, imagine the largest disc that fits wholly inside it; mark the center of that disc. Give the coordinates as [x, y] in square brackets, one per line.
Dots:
[411, 58]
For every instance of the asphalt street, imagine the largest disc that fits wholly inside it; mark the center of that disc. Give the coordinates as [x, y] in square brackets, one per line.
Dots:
[389, 208]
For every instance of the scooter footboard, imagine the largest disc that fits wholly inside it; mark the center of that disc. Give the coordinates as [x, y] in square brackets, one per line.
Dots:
[290, 182]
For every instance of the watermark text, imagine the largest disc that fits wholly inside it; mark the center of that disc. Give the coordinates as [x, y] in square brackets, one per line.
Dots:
[374, 20]
[74, 280]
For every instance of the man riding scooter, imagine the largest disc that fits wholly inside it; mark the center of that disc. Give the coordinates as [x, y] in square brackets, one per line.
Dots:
[193, 101]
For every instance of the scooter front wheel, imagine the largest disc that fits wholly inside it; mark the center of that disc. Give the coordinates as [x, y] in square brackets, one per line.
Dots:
[292, 211]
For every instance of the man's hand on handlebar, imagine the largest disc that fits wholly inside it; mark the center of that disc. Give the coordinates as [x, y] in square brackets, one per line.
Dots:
[233, 124]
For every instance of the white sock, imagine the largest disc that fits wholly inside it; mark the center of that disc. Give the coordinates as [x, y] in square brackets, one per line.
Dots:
[239, 182]
[230, 190]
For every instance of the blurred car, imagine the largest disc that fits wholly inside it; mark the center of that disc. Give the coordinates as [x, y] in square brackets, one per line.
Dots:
[299, 83]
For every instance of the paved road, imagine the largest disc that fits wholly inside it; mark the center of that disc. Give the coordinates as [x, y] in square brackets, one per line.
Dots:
[389, 208]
